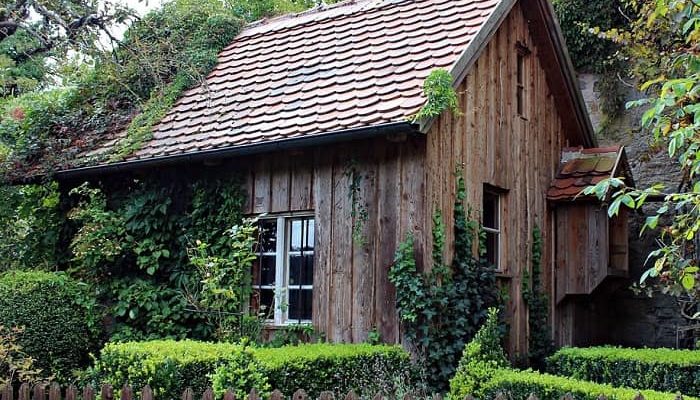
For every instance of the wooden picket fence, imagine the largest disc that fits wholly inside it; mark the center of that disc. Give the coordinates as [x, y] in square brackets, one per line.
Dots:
[53, 391]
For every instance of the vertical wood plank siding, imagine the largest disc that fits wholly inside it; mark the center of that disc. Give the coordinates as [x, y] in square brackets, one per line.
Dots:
[352, 293]
[494, 145]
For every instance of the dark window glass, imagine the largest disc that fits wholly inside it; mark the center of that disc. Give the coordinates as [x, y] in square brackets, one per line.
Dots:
[301, 270]
[264, 301]
[492, 248]
[300, 304]
[267, 270]
[490, 217]
[267, 242]
[520, 91]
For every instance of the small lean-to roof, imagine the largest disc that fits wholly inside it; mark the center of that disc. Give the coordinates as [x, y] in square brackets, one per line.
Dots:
[581, 168]
[353, 65]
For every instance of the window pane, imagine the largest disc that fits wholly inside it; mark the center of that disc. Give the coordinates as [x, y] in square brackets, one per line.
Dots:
[264, 301]
[490, 209]
[267, 270]
[267, 241]
[309, 244]
[492, 248]
[296, 235]
[301, 270]
[300, 304]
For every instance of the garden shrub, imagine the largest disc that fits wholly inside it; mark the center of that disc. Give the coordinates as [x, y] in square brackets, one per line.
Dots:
[169, 367]
[481, 358]
[59, 321]
[366, 369]
[659, 369]
[520, 384]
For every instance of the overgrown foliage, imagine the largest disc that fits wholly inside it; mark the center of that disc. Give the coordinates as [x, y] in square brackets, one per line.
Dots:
[662, 44]
[58, 318]
[442, 309]
[133, 247]
[540, 344]
[481, 357]
[666, 370]
[440, 95]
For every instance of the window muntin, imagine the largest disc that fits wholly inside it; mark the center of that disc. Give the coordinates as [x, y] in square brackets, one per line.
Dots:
[491, 221]
[283, 270]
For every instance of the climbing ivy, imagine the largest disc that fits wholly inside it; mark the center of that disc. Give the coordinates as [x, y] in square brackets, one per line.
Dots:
[358, 210]
[442, 309]
[440, 95]
[540, 344]
[132, 245]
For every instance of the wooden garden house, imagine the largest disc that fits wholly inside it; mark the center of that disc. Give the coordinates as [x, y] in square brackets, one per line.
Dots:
[315, 110]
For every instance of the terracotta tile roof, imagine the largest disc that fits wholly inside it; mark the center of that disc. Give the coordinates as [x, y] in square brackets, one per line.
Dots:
[580, 168]
[357, 64]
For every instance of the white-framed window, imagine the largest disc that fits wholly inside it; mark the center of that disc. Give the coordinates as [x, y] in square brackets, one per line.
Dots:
[491, 221]
[284, 270]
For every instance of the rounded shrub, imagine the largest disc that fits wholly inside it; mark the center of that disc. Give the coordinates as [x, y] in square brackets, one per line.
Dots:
[58, 317]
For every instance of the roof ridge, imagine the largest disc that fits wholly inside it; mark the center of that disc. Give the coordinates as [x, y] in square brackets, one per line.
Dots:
[362, 6]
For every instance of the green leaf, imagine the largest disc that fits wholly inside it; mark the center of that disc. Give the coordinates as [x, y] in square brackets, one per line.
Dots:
[688, 281]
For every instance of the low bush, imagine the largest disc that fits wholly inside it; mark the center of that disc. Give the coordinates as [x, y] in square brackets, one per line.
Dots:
[659, 369]
[520, 384]
[366, 369]
[169, 367]
[57, 316]
[482, 356]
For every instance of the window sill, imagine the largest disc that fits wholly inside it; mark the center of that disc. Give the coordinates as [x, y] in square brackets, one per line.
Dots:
[503, 275]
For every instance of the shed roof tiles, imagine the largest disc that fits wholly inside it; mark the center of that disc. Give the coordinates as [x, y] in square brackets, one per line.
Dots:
[357, 64]
[581, 168]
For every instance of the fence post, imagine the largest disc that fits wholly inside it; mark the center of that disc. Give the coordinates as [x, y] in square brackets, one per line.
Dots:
[126, 393]
[639, 396]
[24, 391]
[253, 395]
[72, 392]
[7, 392]
[602, 397]
[378, 396]
[147, 393]
[300, 395]
[469, 397]
[409, 396]
[54, 391]
[39, 392]
[88, 393]
[276, 395]
[188, 394]
[107, 393]
[568, 396]
[229, 395]
[352, 395]
[501, 396]
[326, 395]
[532, 397]
[208, 394]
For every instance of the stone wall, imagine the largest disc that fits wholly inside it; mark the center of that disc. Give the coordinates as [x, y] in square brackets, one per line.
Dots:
[636, 320]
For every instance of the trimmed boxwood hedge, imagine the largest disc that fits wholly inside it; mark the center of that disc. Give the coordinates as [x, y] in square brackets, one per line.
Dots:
[366, 369]
[520, 384]
[170, 366]
[666, 370]
[59, 318]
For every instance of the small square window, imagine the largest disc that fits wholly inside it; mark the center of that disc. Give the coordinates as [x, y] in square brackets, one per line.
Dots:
[521, 80]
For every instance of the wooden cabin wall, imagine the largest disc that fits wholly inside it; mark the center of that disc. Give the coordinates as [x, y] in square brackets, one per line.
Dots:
[352, 294]
[492, 144]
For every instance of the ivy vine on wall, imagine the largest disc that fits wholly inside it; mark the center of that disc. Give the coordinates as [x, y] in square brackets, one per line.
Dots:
[540, 344]
[358, 210]
[440, 95]
[442, 309]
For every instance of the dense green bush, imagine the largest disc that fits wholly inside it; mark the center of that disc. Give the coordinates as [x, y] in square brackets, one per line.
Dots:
[482, 356]
[171, 366]
[59, 321]
[366, 369]
[520, 384]
[659, 369]
[168, 366]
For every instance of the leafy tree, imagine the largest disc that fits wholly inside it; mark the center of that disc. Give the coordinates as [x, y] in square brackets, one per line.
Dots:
[663, 46]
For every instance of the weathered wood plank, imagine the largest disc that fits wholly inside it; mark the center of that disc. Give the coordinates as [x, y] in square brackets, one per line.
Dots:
[323, 261]
[261, 191]
[301, 191]
[281, 180]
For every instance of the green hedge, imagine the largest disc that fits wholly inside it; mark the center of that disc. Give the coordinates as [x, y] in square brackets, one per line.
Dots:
[58, 316]
[366, 369]
[520, 384]
[171, 366]
[659, 369]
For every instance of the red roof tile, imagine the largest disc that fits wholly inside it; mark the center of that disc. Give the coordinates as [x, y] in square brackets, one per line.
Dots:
[353, 65]
[581, 168]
